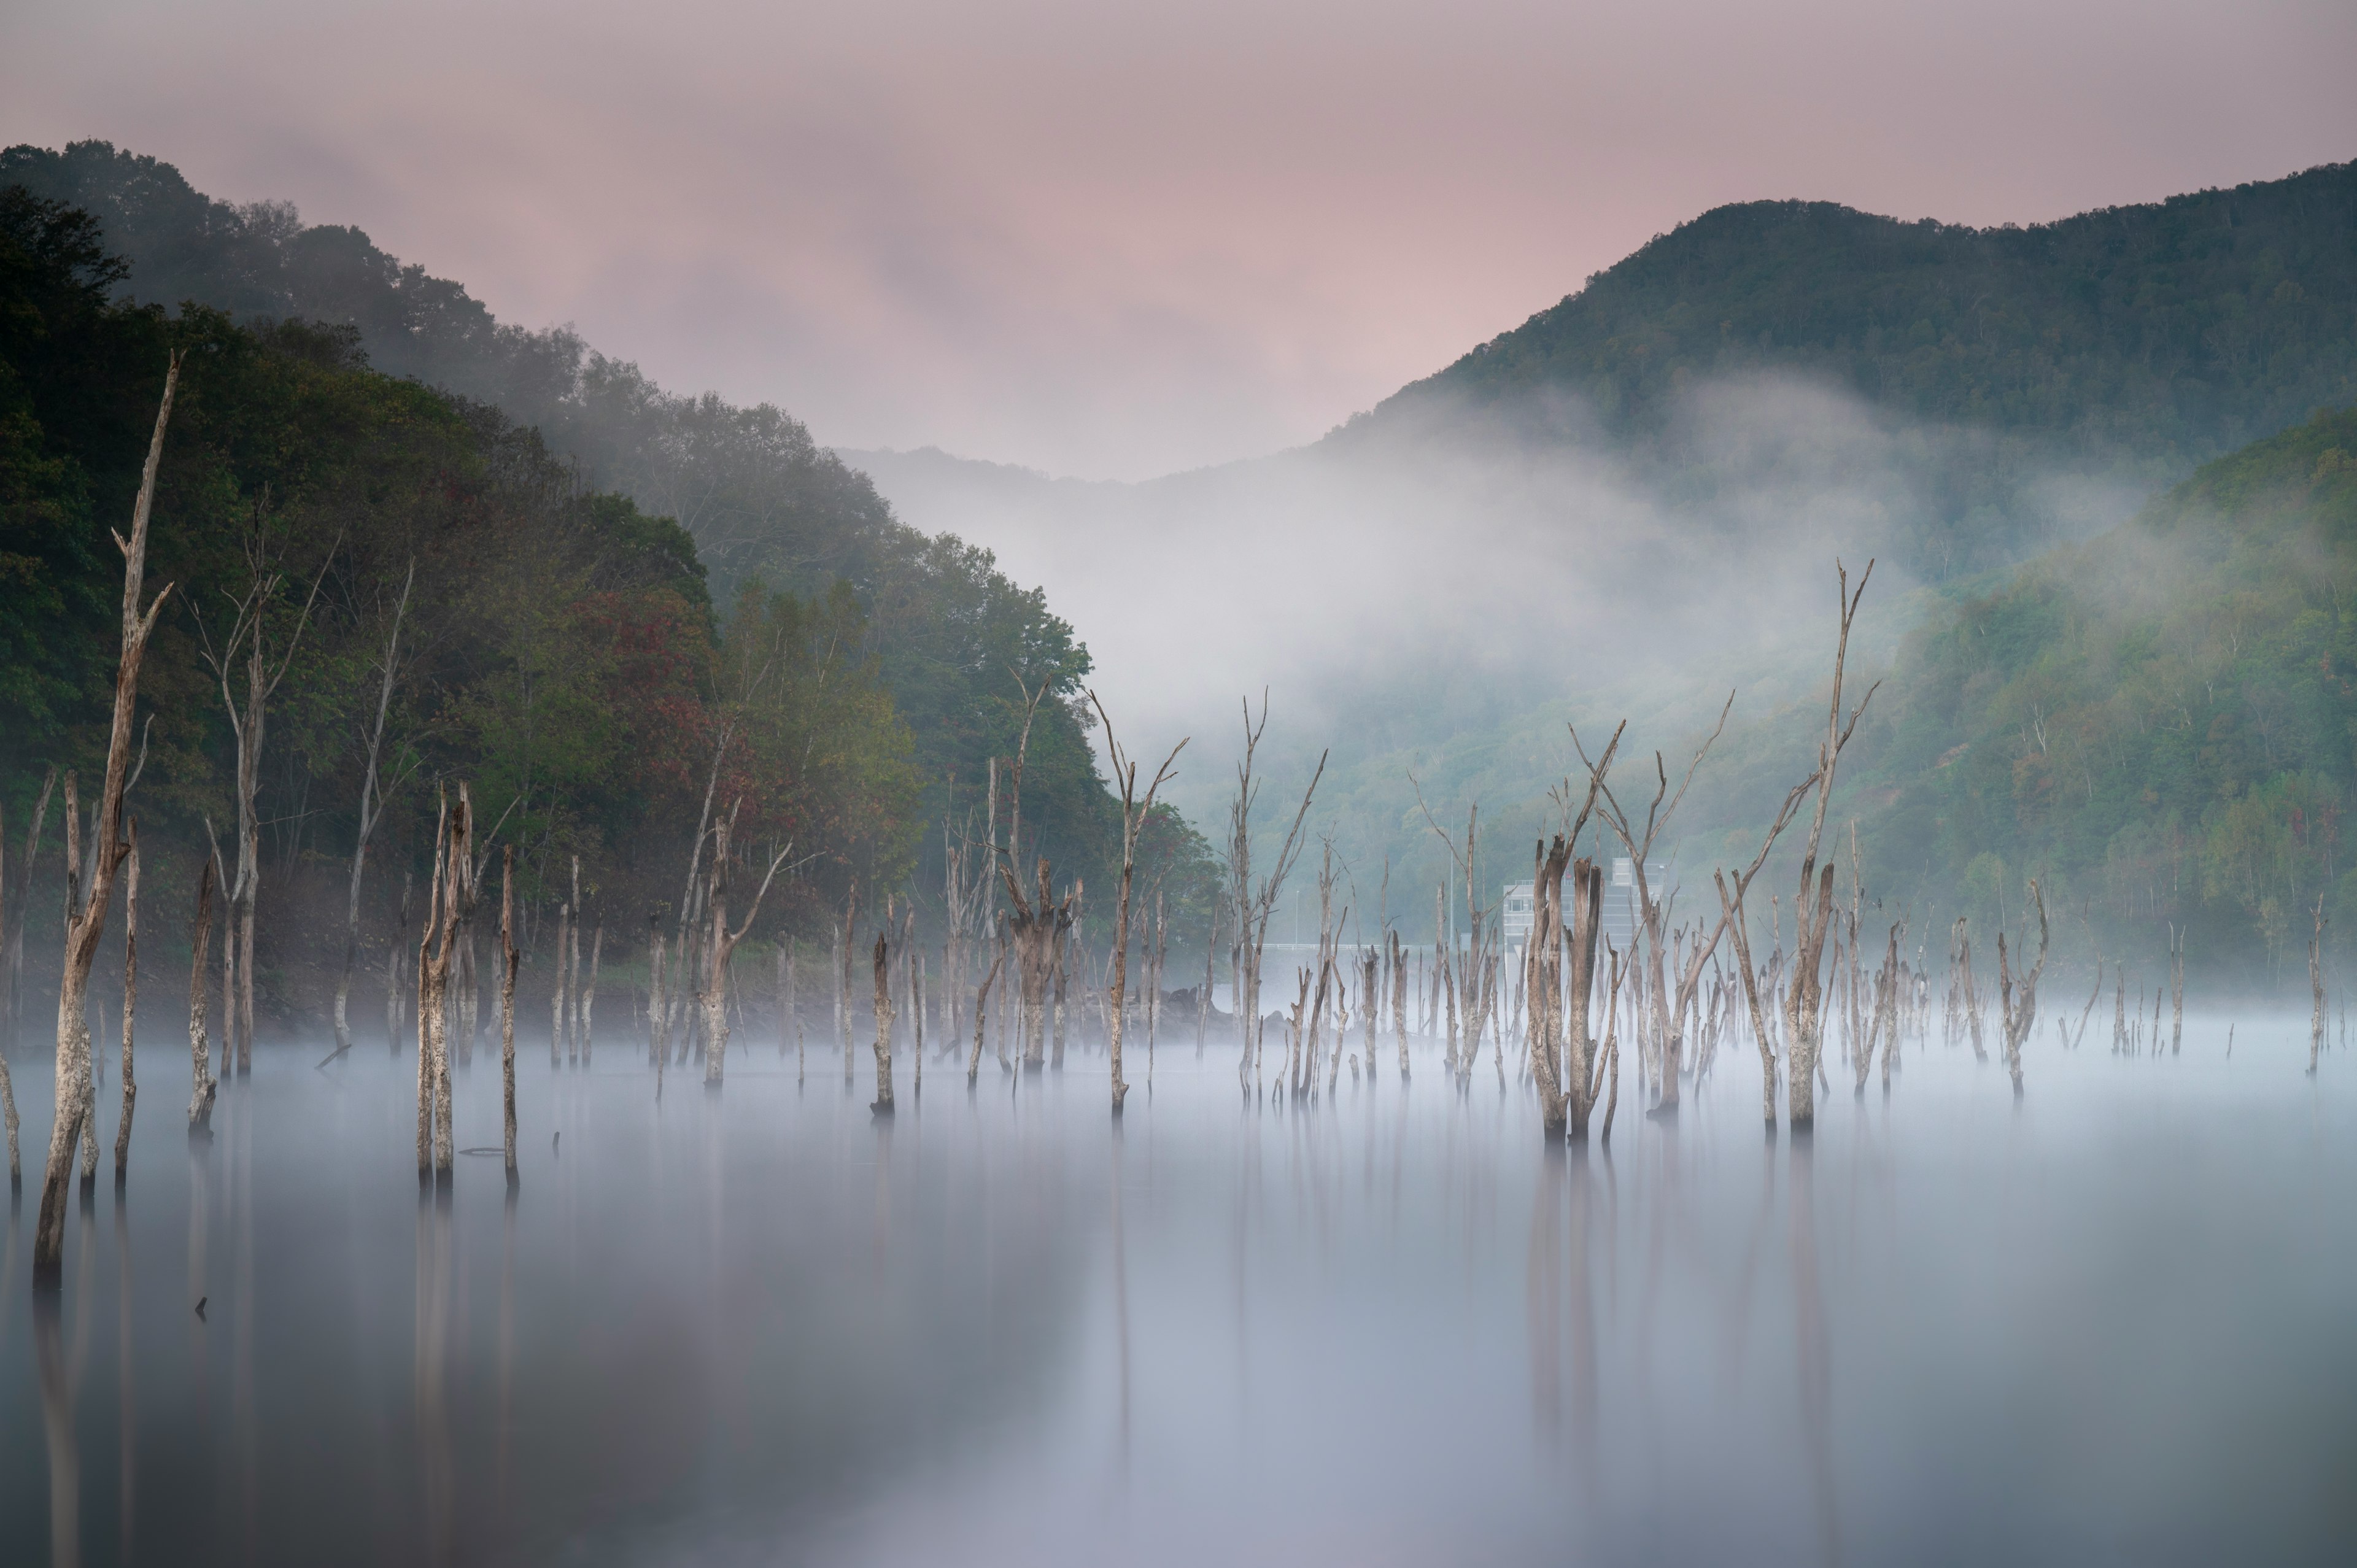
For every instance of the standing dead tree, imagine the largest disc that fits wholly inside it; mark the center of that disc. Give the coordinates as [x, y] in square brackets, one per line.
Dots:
[1254, 905]
[200, 1075]
[86, 909]
[2021, 1010]
[1134, 811]
[266, 659]
[2176, 990]
[1669, 1004]
[882, 1104]
[1812, 904]
[509, 958]
[1462, 1052]
[375, 792]
[722, 944]
[1562, 1050]
[434, 951]
[130, 997]
[2315, 986]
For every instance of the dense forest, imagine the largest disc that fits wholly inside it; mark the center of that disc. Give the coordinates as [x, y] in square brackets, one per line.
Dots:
[383, 588]
[2130, 343]
[2160, 723]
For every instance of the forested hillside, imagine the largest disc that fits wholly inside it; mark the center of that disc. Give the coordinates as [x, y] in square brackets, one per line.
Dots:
[2160, 723]
[2130, 343]
[383, 591]
[948, 632]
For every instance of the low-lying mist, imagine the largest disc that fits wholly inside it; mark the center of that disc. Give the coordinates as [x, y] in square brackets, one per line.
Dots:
[1441, 588]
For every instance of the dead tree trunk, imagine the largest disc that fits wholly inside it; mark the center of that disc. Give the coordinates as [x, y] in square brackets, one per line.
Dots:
[2176, 990]
[508, 960]
[86, 913]
[435, 1149]
[982, 1017]
[2020, 1011]
[2315, 981]
[1135, 813]
[723, 943]
[129, 998]
[882, 1104]
[1812, 904]
[372, 801]
[200, 1074]
[557, 991]
[590, 990]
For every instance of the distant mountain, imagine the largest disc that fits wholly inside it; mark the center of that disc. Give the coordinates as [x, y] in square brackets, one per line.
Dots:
[759, 495]
[2130, 343]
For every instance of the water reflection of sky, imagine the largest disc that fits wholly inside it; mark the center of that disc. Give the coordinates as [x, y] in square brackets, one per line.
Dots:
[2107, 1324]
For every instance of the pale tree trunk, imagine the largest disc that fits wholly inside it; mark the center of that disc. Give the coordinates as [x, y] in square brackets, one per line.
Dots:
[655, 1051]
[723, 943]
[1814, 903]
[508, 960]
[129, 998]
[882, 1105]
[590, 990]
[86, 917]
[434, 951]
[557, 991]
[201, 1076]
[371, 810]
[2315, 986]
[982, 1017]
[1135, 813]
[2177, 991]
[2021, 1009]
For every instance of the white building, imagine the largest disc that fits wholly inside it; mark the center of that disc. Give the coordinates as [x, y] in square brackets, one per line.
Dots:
[1518, 900]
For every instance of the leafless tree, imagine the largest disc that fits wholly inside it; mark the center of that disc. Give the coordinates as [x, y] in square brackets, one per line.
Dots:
[722, 944]
[1255, 904]
[86, 907]
[2020, 1009]
[374, 791]
[1134, 814]
[252, 646]
[201, 1076]
[130, 995]
[509, 958]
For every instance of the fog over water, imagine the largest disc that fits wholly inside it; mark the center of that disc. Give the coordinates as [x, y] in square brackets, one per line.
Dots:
[2106, 1322]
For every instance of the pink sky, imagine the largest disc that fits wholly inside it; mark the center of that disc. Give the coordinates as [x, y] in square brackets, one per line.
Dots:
[1116, 240]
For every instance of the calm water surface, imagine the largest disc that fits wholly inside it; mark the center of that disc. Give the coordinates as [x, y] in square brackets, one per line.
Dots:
[2113, 1323]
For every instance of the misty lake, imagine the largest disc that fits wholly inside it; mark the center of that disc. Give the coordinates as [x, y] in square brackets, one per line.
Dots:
[2114, 1322]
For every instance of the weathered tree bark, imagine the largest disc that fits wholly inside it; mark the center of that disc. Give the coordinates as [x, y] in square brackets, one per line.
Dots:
[1255, 906]
[129, 998]
[1133, 815]
[248, 723]
[372, 810]
[557, 991]
[2314, 984]
[1814, 903]
[201, 1076]
[882, 1105]
[2021, 1012]
[508, 960]
[590, 990]
[86, 915]
[982, 1017]
[2177, 991]
[655, 1032]
[723, 945]
[433, 951]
